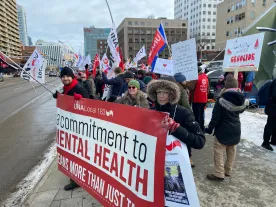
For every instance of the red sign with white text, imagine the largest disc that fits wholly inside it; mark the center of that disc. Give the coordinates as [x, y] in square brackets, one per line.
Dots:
[115, 152]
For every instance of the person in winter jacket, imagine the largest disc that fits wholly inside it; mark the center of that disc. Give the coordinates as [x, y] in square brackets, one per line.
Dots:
[226, 123]
[270, 127]
[141, 74]
[199, 90]
[184, 95]
[71, 88]
[134, 97]
[115, 83]
[86, 84]
[128, 76]
[147, 79]
[219, 85]
[99, 84]
[180, 122]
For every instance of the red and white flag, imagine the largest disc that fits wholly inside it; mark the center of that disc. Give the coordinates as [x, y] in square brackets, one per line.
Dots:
[96, 63]
[144, 67]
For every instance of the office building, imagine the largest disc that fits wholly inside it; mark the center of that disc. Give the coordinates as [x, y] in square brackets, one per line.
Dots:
[133, 33]
[101, 46]
[234, 16]
[91, 37]
[9, 32]
[30, 41]
[55, 53]
[201, 16]
[22, 23]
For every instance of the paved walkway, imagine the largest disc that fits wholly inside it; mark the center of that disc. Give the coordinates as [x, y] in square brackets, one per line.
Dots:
[253, 182]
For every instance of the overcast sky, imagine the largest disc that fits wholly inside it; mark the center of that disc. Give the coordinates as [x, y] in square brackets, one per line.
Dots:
[53, 20]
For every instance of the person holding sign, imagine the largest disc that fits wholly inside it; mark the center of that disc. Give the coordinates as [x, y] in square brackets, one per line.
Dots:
[134, 97]
[180, 122]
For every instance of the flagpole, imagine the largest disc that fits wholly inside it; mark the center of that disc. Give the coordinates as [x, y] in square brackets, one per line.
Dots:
[170, 50]
[27, 73]
[110, 12]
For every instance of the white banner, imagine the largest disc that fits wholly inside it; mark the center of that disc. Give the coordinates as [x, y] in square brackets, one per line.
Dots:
[80, 61]
[180, 189]
[35, 67]
[185, 59]
[163, 66]
[104, 62]
[243, 53]
[113, 44]
[142, 53]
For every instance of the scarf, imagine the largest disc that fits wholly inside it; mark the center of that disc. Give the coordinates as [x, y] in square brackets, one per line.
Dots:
[66, 89]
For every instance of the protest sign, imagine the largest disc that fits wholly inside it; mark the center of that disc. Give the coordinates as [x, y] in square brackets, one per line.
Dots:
[164, 66]
[185, 59]
[180, 189]
[243, 53]
[117, 158]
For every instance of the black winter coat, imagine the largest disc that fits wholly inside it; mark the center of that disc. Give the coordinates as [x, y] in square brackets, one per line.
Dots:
[225, 118]
[116, 83]
[78, 89]
[270, 109]
[189, 131]
[87, 85]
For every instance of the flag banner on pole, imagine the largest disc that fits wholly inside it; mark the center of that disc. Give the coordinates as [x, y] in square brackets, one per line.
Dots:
[113, 44]
[80, 61]
[117, 158]
[143, 67]
[35, 67]
[142, 53]
[87, 61]
[105, 63]
[127, 63]
[180, 188]
[157, 46]
[96, 63]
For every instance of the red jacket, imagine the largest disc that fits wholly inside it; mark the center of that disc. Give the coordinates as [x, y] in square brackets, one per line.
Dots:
[201, 89]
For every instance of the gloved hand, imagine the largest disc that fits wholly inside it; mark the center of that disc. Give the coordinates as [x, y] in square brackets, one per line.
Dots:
[169, 124]
[77, 96]
[55, 95]
[208, 131]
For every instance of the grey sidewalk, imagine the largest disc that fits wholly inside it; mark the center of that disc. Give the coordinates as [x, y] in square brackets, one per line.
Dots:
[49, 192]
[253, 182]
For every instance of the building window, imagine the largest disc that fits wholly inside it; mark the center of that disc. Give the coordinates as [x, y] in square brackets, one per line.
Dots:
[239, 17]
[136, 23]
[213, 47]
[204, 5]
[166, 24]
[208, 47]
[227, 33]
[214, 26]
[209, 5]
[264, 2]
[214, 20]
[228, 10]
[203, 19]
[252, 15]
[130, 48]
[129, 23]
[209, 12]
[204, 12]
[183, 25]
[130, 40]
[215, 6]
[214, 13]
[209, 20]
[142, 23]
[142, 40]
[208, 27]
[136, 40]
[213, 34]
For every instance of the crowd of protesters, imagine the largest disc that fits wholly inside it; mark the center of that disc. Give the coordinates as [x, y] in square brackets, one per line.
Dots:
[184, 101]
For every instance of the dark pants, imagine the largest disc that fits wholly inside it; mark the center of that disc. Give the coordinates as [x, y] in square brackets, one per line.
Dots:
[270, 130]
[198, 109]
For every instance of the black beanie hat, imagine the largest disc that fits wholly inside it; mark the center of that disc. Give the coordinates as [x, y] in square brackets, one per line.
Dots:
[128, 74]
[67, 71]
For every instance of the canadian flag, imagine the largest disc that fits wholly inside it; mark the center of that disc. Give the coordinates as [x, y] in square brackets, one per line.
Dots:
[96, 63]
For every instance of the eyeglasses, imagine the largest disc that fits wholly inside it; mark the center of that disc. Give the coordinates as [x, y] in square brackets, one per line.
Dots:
[131, 87]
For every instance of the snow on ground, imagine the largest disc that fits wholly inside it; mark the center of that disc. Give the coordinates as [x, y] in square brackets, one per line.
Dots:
[31, 180]
[252, 126]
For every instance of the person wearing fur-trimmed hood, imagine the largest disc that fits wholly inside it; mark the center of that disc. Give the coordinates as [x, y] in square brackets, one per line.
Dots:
[180, 122]
[226, 122]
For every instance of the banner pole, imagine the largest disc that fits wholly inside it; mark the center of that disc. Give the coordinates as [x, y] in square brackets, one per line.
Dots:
[110, 12]
[27, 73]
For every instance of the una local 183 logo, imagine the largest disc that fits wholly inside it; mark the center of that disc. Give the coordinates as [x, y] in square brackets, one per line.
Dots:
[101, 111]
[174, 144]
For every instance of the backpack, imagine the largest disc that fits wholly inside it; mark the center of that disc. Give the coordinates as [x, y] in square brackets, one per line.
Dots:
[264, 94]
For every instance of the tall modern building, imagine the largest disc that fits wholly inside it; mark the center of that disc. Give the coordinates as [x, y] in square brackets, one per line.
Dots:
[91, 37]
[234, 16]
[30, 41]
[133, 33]
[53, 52]
[22, 22]
[9, 41]
[201, 16]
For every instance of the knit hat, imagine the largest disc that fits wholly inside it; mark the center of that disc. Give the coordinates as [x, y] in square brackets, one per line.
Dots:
[168, 78]
[134, 83]
[179, 77]
[128, 74]
[170, 86]
[147, 79]
[231, 82]
[67, 71]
